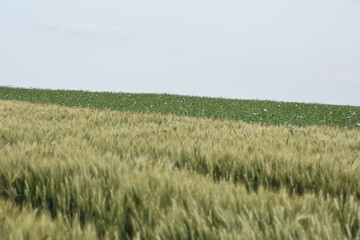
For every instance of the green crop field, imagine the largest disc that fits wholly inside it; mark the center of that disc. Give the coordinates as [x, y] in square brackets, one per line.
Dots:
[252, 111]
[71, 167]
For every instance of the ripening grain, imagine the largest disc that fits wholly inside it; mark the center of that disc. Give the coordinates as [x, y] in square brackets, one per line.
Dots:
[26, 223]
[151, 176]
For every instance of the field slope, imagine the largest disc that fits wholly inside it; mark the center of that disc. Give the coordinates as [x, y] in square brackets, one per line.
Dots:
[252, 111]
[70, 173]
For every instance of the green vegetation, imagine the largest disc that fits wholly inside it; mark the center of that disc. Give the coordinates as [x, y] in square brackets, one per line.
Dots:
[120, 175]
[252, 111]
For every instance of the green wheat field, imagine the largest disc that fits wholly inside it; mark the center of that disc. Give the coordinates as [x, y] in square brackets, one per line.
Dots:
[87, 165]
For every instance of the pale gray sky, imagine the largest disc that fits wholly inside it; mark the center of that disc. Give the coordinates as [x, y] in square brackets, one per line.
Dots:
[288, 50]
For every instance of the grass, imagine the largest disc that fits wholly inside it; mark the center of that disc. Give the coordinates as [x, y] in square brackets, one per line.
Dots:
[252, 111]
[104, 174]
[27, 223]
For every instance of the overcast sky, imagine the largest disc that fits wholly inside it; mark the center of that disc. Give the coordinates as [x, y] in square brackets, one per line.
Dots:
[288, 50]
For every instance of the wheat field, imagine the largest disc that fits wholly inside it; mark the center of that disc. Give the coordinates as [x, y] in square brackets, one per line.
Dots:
[74, 173]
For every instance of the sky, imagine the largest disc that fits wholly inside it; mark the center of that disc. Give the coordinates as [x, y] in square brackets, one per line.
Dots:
[285, 50]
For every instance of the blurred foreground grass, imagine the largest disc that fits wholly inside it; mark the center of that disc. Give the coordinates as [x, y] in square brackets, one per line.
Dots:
[113, 175]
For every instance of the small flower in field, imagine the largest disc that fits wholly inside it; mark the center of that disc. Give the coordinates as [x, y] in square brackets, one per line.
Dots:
[265, 110]
[358, 124]
[331, 113]
[254, 114]
[354, 114]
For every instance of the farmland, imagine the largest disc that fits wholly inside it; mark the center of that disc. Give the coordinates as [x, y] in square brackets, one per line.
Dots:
[252, 111]
[95, 173]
